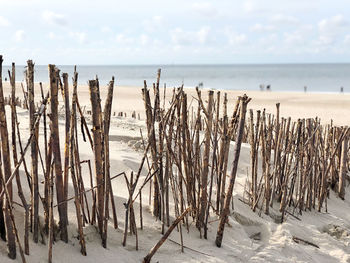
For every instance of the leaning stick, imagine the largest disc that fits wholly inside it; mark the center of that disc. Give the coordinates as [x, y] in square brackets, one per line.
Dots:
[41, 110]
[147, 258]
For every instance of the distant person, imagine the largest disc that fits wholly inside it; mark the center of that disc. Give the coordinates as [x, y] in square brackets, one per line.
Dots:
[262, 87]
[268, 88]
[5, 79]
[341, 90]
[305, 89]
[200, 85]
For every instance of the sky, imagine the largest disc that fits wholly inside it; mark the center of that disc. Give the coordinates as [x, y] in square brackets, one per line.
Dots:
[174, 32]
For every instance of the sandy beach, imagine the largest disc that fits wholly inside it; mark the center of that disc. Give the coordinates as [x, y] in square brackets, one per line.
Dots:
[275, 239]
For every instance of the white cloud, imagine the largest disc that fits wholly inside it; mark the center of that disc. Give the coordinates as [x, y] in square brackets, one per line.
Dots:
[19, 35]
[123, 39]
[4, 22]
[106, 29]
[144, 39]
[330, 25]
[330, 28]
[235, 38]
[153, 23]
[268, 40]
[80, 37]
[249, 6]
[284, 19]
[347, 39]
[203, 35]
[52, 35]
[181, 37]
[262, 28]
[205, 9]
[294, 38]
[53, 18]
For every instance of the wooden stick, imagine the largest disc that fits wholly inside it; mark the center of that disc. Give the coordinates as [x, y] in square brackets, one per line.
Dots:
[98, 149]
[236, 153]
[62, 209]
[147, 258]
[12, 77]
[6, 206]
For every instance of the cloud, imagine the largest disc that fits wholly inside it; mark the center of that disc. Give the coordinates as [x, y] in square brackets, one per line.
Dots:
[4, 22]
[262, 28]
[330, 28]
[203, 35]
[181, 37]
[80, 37]
[268, 40]
[330, 25]
[205, 9]
[153, 23]
[249, 6]
[54, 19]
[347, 39]
[284, 19]
[294, 38]
[123, 39]
[53, 36]
[144, 39]
[19, 35]
[235, 38]
[106, 29]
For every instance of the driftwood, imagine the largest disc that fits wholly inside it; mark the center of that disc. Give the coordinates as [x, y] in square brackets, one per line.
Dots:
[303, 241]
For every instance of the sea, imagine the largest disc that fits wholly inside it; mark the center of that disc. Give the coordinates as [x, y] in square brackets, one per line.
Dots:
[321, 78]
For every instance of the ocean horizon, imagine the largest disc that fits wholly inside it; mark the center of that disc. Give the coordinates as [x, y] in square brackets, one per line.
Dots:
[321, 77]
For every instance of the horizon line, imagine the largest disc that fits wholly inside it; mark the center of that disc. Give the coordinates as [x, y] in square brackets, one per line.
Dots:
[197, 64]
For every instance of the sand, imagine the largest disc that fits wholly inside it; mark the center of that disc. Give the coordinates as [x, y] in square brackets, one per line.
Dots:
[275, 244]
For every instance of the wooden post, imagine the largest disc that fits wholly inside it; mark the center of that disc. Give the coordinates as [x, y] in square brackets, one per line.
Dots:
[108, 184]
[53, 74]
[34, 151]
[236, 153]
[98, 149]
[205, 169]
[152, 140]
[10, 237]
[66, 145]
[73, 173]
[343, 168]
[15, 158]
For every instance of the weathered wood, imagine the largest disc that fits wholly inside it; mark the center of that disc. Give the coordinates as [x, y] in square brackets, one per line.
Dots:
[149, 256]
[205, 168]
[97, 131]
[62, 209]
[73, 173]
[152, 139]
[343, 168]
[108, 185]
[65, 93]
[12, 77]
[6, 203]
[236, 153]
